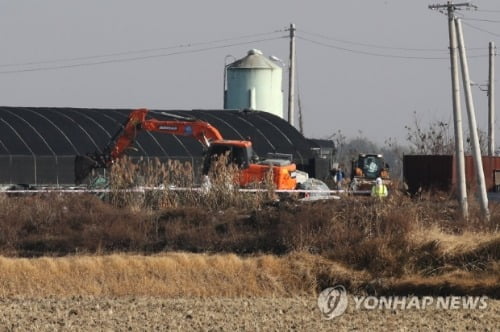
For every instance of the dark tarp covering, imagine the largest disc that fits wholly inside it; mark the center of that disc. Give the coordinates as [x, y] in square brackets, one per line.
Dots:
[38, 145]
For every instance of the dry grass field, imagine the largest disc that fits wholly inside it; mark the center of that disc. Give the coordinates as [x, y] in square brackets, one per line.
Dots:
[401, 245]
[221, 275]
[228, 260]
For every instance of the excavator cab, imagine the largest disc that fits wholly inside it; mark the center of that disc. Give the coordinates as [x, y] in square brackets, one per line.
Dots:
[252, 170]
[238, 153]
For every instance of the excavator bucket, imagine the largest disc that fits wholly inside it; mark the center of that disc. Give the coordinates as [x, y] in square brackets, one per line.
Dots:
[83, 166]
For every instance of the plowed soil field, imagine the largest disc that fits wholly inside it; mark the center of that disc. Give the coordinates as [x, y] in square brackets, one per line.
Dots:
[225, 314]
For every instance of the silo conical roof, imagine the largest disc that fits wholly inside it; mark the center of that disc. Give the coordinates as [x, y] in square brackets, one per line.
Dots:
[253, 59]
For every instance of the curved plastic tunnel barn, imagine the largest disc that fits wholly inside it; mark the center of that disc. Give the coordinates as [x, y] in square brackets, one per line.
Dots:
[38, 145]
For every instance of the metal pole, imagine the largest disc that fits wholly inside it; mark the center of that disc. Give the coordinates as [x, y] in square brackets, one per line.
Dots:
[457, 118]
[476, 150]
[291, 75]
[491, 101]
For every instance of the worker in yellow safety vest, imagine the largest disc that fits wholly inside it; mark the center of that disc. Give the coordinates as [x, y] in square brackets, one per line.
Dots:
[379, 189]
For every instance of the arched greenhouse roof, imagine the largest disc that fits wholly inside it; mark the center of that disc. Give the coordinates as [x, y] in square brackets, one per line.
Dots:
[38, 144]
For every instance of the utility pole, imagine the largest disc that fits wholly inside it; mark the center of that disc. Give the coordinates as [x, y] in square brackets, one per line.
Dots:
[491, 101]
[291, 75]
[476, 150]
[457, 111]
[457, 116]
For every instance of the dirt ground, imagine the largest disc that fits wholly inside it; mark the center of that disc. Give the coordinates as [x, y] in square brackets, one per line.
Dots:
[225, 314]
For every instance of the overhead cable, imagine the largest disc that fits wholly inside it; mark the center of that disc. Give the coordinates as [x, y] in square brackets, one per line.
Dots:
[481, 29]
[480, 20]
[394, 48]
[487, 11]
[374, 45]
[137, 58]
[382, 55]
[132, 52]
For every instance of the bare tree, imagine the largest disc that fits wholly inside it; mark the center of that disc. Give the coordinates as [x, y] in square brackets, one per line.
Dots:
[393, 154]
[436, 138]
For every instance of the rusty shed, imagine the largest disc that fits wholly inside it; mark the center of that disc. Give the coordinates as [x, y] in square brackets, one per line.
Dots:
[438, 172]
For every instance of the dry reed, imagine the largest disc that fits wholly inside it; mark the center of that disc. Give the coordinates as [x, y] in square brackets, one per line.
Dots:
[226, 275]
[222, 192]
[366, 244]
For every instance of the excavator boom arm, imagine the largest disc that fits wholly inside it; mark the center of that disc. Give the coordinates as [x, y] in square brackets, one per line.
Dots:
[137, 121]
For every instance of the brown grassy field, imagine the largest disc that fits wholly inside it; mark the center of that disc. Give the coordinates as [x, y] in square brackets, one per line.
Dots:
[229, 260]
[220, 275]
[401, 245]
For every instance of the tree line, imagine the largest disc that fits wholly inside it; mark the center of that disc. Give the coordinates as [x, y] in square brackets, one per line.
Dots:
[432, 138]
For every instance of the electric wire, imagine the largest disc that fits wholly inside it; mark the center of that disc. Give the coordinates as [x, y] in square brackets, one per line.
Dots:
[138, 58]
[487, 11]
[132, 52]
[481, 29]
[190, 45]
[395, 48]
[374, 45]
[382, 55]
[480, 20]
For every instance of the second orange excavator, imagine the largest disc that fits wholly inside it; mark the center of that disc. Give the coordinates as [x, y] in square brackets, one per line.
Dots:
[241, 153]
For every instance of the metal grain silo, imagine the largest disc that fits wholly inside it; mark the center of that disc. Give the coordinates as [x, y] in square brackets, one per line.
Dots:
[254, 82]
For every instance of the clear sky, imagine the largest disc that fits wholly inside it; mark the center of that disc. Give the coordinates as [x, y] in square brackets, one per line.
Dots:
[363, 66]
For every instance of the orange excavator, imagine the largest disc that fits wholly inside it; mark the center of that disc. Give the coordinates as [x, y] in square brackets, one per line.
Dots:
[239, 152]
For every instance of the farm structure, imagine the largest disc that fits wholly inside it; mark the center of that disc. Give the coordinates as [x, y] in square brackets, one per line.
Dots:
[38, 145]
[437, 172]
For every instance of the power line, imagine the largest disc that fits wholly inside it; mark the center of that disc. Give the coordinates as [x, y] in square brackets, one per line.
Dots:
[481, 29]
[395, 48]
[480, 20]
[152, 56]
[487, 11]
[375, 45]
[382, 55]
[150, 50]
[135, 58]
[368, 53]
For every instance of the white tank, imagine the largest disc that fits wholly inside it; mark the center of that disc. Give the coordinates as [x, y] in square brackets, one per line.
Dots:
[254, 82]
